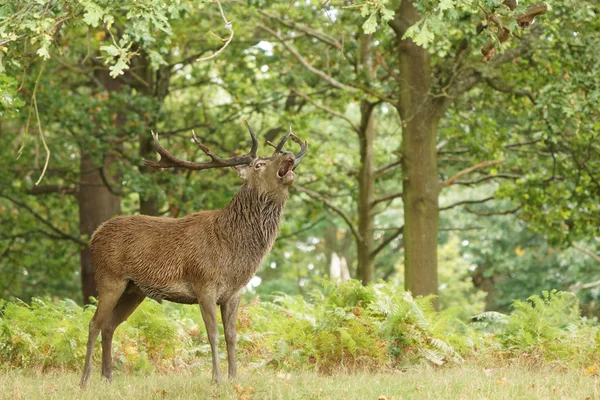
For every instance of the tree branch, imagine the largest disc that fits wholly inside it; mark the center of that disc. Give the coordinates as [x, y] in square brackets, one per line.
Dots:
[505, 89]
[468, 228]
[576, 287]
[326, 109]
[305, 29]
[474, 76]
[519, 144]
[45, 222]
[46, 189]
[587, 251]
[229, 26]
[373, 93]
[116, 192]
[489, 213]
[191, 59]
[483, 164]
[327, 78]
[487, 178]
[390, 196]
[31, 232]
[333, 207]
[388, 167]
[387, 241]
[304, 229]
[460, 203]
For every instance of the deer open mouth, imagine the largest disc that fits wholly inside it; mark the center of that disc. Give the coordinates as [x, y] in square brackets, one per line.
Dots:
[287, 167]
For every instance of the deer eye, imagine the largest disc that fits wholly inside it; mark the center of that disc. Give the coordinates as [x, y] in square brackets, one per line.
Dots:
[259, 165]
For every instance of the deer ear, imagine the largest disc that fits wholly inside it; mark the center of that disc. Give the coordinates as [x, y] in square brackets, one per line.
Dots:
[242, 171]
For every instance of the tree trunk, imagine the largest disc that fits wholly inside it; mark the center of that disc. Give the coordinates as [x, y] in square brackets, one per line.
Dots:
[366, 136]
[420, 116]
[487, 284]
[148, 202]
[96, 205]
[365, 192]
[157, 87]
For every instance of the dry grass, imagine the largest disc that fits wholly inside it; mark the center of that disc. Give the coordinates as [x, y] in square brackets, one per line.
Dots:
[422, 382]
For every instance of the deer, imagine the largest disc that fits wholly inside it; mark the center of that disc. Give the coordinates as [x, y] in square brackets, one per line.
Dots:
[203, 258]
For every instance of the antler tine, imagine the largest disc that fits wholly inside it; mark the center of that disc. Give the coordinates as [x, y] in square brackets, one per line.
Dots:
[167, 160]
[299, 155]
[303, 148]
[279, 147]
[254, 140]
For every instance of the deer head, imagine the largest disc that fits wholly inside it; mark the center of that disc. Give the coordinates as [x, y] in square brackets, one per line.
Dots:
[265, 174]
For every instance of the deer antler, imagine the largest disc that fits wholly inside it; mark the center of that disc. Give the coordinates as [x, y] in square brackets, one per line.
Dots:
[303, 147]
[279, 147]
[297, 156]
[167, 160]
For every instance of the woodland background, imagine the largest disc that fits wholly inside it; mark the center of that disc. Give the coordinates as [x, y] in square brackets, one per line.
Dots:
[428, 169]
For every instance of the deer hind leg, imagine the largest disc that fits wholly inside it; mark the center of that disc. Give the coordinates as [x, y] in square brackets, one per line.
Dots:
[126, 305]
[109, 294]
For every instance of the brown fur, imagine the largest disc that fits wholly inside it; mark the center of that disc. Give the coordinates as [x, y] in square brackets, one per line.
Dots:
[206, 258]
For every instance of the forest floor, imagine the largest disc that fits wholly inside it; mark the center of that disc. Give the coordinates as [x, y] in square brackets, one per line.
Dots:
[420, 382]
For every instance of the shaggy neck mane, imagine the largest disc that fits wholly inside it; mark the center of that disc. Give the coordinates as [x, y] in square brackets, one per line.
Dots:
[255, 217]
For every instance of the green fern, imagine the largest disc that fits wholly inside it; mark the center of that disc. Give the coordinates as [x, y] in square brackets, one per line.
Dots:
[342, 326]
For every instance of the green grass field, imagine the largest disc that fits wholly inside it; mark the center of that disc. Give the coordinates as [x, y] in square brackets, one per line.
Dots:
[464, 382]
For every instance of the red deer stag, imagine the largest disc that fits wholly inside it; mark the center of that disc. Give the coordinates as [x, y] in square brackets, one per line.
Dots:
[204, 258]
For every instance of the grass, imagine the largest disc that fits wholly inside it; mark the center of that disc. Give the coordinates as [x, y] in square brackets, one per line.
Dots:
[420, 382]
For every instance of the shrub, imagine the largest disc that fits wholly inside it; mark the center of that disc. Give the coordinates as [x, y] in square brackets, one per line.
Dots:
[341, 327]
[347, 326]
[549, 326]
[53, 334]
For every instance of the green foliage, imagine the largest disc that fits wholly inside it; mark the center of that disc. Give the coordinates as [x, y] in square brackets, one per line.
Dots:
[53, 334]
[39, 25]
[456, 283]
[372, 10]
[9, 100]
[457, 292]
[343, 327]
[547, 326]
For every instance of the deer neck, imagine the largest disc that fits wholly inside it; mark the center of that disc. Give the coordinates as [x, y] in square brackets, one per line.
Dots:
[254, 217]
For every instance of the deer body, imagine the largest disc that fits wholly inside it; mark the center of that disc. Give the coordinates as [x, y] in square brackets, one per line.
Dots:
[203, 258]
[220, 249]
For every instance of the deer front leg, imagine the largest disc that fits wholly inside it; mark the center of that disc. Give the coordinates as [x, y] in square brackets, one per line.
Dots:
[208, 307]
[229, 315]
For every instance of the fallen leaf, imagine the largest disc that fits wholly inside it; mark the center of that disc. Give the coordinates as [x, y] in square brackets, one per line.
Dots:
[501, 381]
[238, 389]
[591, 370]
